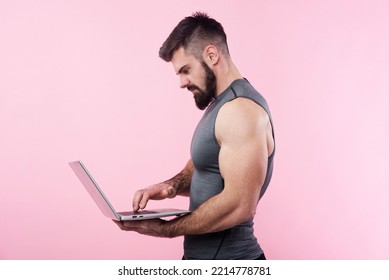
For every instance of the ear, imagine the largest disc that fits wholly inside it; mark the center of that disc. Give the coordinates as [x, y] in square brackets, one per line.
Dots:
[211, 55]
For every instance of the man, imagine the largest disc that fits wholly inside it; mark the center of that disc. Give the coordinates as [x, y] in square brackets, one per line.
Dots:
[231, 153]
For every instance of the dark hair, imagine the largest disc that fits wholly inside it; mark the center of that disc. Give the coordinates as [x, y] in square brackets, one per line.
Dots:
[194, 33]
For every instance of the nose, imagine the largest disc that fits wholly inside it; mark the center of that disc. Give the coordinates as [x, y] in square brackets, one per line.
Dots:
[184, 82]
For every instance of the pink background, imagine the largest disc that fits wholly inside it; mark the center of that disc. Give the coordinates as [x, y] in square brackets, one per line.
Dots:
[82, 80]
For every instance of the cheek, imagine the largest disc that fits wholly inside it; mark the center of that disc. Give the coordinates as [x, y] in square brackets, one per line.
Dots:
[199, 80]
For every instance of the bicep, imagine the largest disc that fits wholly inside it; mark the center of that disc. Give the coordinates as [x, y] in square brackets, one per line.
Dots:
[243, 168]
[243, 156]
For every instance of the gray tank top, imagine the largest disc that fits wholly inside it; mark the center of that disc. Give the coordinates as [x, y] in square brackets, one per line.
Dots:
[238, 242]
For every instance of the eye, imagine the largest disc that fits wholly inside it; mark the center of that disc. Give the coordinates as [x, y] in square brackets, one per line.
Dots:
[185, 71]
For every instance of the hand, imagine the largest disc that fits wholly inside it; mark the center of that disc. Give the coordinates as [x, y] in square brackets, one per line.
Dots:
[152, 227]
[155, 192]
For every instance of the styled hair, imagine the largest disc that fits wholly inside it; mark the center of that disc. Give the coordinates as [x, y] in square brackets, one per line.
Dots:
[194, 33]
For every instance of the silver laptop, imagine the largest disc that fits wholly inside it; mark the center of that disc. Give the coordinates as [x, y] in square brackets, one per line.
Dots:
[106, 207]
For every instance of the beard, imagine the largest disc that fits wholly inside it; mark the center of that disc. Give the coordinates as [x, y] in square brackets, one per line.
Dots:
[204, 97]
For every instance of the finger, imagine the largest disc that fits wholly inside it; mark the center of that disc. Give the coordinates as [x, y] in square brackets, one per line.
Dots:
[131, 225]
[170, 192]
[136, 199]
[144, 200]
[126, 225]
[119, 224]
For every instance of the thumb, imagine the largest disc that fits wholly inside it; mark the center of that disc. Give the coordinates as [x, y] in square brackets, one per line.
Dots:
[169, 192]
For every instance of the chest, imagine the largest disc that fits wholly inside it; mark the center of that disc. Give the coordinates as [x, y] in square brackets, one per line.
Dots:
[205, 147]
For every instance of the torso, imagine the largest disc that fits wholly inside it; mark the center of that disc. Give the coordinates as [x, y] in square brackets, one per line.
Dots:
[207, 180]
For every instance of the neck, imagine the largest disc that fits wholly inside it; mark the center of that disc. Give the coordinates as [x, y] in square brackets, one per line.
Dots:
[226, 73]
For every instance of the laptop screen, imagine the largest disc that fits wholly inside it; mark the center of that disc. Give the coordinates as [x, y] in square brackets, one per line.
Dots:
[94, 190]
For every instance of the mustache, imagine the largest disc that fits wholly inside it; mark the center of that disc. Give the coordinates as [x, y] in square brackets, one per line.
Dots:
[193, 87]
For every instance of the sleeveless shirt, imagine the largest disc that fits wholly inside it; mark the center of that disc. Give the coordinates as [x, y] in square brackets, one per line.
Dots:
[238, 242]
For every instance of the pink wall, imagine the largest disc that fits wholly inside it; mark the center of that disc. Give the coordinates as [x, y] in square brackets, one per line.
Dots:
[82, 80]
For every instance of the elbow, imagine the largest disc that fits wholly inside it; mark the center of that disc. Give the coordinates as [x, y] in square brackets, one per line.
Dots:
[250, 214]
[245, 213]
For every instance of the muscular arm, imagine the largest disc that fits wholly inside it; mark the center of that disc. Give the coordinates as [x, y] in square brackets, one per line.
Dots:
[244, 132]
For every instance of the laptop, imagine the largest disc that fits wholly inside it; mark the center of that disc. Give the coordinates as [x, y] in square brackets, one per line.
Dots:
[106, 207]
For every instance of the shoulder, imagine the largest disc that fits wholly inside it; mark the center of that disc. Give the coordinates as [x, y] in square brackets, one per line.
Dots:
[240, 117]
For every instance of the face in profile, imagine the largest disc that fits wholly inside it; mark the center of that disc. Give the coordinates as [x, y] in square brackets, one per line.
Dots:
[196, 76]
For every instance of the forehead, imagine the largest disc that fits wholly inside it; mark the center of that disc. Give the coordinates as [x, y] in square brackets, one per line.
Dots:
[181, 58]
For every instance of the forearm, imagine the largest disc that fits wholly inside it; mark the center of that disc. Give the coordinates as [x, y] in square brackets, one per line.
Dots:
[181, 182]
[216, 214]
[220, 212]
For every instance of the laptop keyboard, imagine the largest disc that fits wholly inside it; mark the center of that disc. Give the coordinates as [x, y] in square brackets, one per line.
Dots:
[136, 213]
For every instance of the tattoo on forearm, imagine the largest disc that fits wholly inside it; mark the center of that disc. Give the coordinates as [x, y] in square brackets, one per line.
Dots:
[181, 182]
